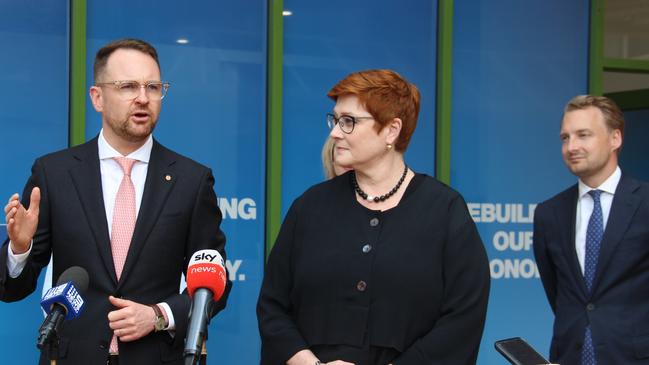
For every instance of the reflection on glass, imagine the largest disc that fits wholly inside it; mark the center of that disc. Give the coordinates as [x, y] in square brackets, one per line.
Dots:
[624, 81]
[626, 29]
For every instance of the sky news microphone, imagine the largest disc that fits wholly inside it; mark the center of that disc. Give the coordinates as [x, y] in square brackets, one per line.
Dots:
[61, 302]
[206, 280]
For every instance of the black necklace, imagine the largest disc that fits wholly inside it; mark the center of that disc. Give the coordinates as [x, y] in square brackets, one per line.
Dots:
[383, 197]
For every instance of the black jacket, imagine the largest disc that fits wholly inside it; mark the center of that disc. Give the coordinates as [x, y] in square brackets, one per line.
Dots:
[178, 216]
[414, 278]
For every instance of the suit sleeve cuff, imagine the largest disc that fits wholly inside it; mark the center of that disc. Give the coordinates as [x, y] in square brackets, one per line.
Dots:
[16, 262]
[169, 316]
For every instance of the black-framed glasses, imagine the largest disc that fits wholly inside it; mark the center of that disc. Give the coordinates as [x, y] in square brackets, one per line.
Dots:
[129, 89]
[345, 122]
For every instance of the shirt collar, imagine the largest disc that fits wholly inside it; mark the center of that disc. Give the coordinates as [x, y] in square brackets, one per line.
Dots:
[608, 186]
[106, 151]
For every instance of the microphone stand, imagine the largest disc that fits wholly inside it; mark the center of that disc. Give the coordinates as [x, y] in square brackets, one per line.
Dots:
[190, 359]
[53, 350]
[203, 360]
[199, 320]
[199, 358]
[48, 338]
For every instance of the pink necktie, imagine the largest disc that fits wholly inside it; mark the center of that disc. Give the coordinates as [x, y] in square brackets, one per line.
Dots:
[123, 223]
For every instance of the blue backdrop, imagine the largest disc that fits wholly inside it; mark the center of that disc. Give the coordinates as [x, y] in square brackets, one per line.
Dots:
[323, 43]
[515, 65]
[214, 113]
[33, 121]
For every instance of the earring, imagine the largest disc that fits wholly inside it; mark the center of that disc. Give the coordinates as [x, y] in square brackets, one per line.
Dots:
[388, 146]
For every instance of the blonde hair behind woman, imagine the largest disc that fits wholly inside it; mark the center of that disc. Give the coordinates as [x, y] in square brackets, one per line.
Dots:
[331, 168]
[328, 159]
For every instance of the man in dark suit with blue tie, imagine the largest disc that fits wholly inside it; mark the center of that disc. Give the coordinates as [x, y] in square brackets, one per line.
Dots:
[125, 208]
[591, 244]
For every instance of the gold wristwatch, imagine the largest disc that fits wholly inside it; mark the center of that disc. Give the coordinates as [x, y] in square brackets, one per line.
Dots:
[160, 322]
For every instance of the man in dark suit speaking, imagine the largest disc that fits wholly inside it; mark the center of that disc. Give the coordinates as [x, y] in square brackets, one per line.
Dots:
[125, 208]
[591, 244]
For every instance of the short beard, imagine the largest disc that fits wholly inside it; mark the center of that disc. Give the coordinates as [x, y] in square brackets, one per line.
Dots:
[128, 135]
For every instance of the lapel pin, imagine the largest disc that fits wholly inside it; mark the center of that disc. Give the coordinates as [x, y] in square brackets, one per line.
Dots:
[168, 177]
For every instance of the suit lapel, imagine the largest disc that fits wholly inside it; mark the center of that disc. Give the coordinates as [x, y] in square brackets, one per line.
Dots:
[86, 178]
[567, 215]
[160, 179]
[623, 208]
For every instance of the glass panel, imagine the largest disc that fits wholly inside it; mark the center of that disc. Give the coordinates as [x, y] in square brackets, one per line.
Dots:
[323, 43]
[624, 81]
[626, 29]
[33, 122]
[515, 65]
[214, 56]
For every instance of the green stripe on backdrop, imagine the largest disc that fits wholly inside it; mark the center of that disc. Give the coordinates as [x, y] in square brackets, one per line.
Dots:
[274, 121]
[596, 54]
[77, 87]
[444, 88]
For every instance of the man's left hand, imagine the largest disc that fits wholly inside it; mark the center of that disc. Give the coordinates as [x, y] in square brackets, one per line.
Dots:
[130, 321]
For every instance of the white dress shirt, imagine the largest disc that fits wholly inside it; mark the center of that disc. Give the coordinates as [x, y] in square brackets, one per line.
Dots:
[111, 178]
[585, 206]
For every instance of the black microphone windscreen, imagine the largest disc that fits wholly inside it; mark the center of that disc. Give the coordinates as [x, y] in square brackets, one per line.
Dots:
[77, 275]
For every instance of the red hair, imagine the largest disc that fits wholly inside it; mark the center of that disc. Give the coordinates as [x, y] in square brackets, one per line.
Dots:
[385, 95]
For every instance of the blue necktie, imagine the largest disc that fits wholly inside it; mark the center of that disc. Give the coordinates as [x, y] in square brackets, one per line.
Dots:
[594, 234]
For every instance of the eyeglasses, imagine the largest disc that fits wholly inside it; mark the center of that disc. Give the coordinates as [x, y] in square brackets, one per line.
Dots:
[129, 90]
[345, 122]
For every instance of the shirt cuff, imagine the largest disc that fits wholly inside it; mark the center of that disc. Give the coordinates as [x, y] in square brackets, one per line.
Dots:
[16, 262]
[166, 311]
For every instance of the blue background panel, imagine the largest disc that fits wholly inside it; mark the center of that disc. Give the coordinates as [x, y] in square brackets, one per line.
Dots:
[515, 65]
[33, 121]
[214, 113]
[323, 43]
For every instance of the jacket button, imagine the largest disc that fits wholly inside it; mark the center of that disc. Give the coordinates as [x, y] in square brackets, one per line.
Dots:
[367, 248]
[361, 286]
[590, 306]
[374, 222]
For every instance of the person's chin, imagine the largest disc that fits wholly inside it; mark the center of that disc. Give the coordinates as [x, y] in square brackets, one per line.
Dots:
[581, 171]
[141, 131]
[344, 163]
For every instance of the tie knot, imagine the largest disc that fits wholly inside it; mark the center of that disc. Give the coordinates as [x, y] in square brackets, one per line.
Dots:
[595, 194]
[126, 164]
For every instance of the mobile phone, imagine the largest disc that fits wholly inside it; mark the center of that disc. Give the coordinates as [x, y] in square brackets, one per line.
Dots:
[519, 352]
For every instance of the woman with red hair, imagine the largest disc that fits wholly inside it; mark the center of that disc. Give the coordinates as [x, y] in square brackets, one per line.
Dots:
[380, 265]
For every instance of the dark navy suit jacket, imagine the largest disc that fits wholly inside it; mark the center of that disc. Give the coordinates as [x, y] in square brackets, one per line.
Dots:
[178, 216]
[617, 308]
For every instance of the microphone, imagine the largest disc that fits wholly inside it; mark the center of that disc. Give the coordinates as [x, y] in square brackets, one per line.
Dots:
[205, 283]
[61, 302]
